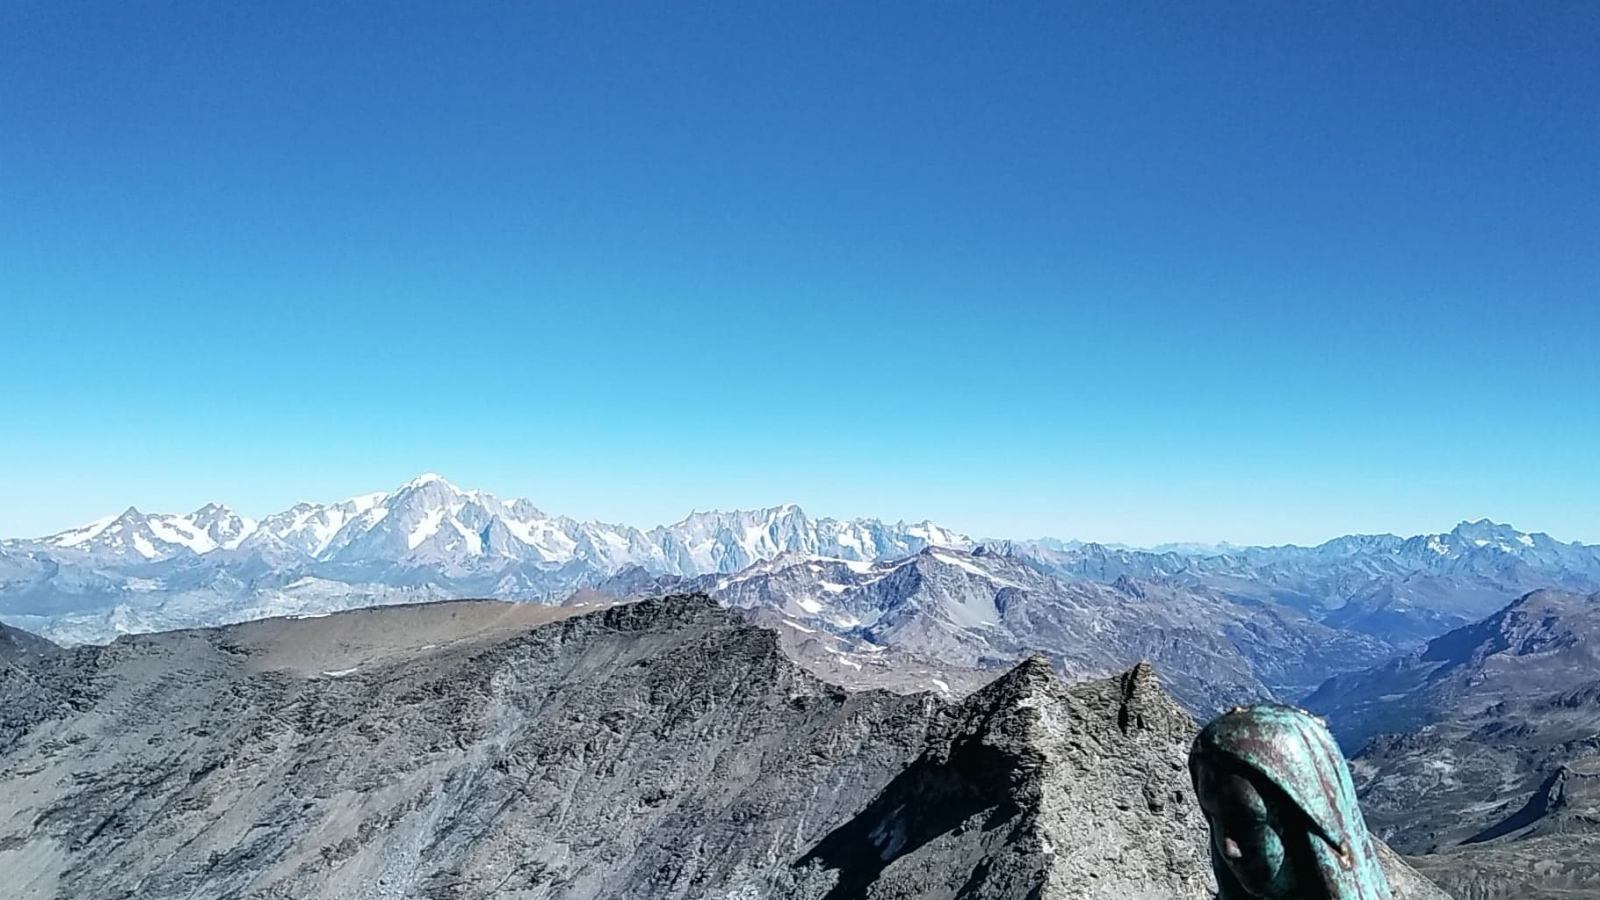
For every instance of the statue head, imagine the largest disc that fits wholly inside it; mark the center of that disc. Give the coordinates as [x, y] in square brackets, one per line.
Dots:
[1285, 824]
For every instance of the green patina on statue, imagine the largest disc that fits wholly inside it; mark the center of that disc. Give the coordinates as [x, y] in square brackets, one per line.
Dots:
[1282, 809]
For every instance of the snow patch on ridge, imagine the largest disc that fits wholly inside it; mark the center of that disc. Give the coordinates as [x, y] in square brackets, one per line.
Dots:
[364, 502]
[474, 542]
[427, 528]
[78, 535]
[177, 531]
[967, 566]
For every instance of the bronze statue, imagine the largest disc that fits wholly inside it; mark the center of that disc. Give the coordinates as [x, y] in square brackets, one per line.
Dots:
[1282, 809]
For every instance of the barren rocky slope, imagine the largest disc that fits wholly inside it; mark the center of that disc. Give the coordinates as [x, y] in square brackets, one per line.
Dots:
[1480, 750]
[663, 749]
[1546, 849]
[1455, 737]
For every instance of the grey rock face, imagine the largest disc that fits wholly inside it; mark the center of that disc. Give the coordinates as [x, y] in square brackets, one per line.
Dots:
[1032, 788]
[1539, 869]
[662, 749]
[652, 750]
[22, 698]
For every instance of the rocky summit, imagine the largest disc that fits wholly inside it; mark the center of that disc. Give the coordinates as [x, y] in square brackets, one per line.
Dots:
[659, 749]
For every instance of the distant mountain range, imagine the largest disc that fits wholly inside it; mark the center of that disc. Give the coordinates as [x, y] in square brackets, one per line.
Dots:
[429, 539]
[430, 524]
[1404, 590]
[985, 610]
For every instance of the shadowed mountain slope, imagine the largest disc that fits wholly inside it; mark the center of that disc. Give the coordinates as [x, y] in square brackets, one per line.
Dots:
[1542, 644]
[17, 645]
[1480, 750]
[1456, 737]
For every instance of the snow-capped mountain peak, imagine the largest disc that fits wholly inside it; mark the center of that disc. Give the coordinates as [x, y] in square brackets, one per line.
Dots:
[430, 524]
[216, 526]
[1483, 533]
[131, 536]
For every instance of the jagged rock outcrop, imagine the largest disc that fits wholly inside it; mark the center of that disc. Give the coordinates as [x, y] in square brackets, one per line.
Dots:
[663, 749]
[1550, 868]
[1567, 801]
[1034, 788]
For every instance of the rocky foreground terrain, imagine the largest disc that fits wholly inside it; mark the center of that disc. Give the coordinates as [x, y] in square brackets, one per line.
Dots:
[662, 749]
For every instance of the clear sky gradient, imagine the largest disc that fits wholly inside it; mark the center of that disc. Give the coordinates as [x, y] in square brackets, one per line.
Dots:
[1259, 272]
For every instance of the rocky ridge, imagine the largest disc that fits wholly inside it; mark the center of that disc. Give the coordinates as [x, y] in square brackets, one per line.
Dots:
[662, 749]
[1548, 849]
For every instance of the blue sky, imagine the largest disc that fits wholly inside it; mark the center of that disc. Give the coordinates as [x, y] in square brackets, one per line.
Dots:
[1256, 271]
